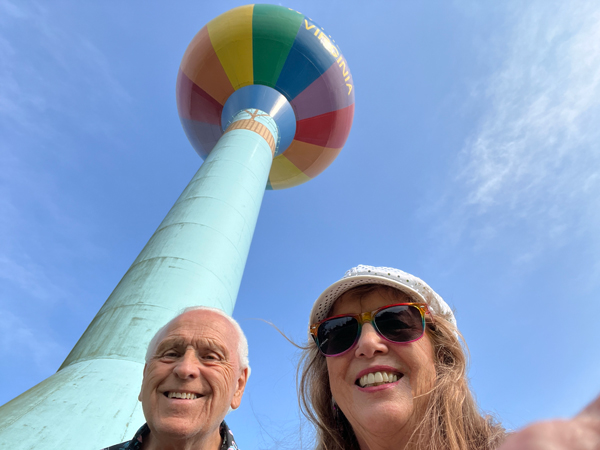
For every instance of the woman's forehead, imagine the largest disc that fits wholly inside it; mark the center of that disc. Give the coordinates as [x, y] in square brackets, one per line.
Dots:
[361, 299]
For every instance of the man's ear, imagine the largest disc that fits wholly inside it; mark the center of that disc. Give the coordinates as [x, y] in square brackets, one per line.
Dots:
[239, 389]
[143, 379]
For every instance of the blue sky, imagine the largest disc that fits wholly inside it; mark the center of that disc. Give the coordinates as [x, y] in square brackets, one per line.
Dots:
[472, 163]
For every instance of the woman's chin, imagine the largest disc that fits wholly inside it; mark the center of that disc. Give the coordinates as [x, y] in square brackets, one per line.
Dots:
[383, 416]
[389, 426]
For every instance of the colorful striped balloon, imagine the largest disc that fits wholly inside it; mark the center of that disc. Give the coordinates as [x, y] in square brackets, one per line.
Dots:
[276, 47]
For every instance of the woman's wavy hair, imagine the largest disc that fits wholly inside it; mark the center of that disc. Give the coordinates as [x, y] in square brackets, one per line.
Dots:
[450, 418]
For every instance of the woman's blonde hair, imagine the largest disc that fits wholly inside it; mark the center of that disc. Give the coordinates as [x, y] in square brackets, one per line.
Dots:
[451, 419]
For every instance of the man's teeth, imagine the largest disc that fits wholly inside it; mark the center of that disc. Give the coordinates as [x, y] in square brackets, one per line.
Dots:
[184, 395]
[377, 378]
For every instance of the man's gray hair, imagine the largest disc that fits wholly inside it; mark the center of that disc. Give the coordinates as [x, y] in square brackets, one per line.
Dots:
[242, 349]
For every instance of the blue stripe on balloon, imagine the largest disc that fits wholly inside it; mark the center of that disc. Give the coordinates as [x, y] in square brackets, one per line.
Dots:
[309, 58]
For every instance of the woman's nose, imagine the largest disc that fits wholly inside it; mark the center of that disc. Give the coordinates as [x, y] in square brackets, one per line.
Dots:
[188, 365]
[370, 343]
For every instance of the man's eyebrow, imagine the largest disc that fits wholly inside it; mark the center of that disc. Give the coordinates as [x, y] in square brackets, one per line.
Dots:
[169, 342]
[199, 344]
[212, 345]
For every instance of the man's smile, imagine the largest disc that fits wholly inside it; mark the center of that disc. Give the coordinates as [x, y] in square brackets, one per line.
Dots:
[182, 395]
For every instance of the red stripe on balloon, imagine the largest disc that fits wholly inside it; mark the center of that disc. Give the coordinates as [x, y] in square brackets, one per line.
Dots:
[327, 130]
[327, 93]
[195, 104]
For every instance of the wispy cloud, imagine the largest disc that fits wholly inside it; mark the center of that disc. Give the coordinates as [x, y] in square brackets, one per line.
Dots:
[30, 278]
[25, 341]
[11, 9]
[46, 70]
[55, 86]
[534, 162]
[49, 77]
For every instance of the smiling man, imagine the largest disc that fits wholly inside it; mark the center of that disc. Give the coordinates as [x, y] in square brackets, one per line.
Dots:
[196, 370]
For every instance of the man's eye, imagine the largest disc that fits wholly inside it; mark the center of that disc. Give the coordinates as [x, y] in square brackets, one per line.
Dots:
[170, 354]
[211, 357]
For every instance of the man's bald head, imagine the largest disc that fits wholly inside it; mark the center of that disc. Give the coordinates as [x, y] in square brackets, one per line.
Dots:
[242, 348]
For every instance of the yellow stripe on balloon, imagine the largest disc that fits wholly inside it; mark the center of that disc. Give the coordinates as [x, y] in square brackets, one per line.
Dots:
[231, 37]
[284, 174]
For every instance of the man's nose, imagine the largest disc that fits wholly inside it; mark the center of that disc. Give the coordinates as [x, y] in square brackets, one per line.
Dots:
[188, 365]
[370, 343]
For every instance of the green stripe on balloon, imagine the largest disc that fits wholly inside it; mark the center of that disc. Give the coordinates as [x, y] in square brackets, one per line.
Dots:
[268, 54]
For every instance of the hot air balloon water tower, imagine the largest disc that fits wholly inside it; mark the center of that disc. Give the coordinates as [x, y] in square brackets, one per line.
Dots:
[267, 100]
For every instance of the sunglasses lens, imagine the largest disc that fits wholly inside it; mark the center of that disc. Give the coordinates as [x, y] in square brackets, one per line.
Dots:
[337, 335]
[400, 323]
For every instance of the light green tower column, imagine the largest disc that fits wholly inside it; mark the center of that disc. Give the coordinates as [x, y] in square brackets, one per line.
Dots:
[266, 98]
[196, 257]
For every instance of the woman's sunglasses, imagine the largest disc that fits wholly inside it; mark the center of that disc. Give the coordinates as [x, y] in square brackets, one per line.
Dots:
[399, 323]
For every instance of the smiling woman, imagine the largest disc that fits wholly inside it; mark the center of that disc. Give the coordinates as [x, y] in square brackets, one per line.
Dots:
[386, 369]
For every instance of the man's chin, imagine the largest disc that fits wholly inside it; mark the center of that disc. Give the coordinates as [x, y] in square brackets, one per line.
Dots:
[174, 429]
[177, 427]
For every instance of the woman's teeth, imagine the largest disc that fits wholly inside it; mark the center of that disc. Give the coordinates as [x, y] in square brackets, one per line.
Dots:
[377, 378]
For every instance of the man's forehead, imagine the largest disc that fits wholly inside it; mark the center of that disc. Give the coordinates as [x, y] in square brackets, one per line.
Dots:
[201, 324]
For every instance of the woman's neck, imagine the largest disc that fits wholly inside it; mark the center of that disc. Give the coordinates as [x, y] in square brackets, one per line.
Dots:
[389, 440]
[387, 435]
[381, 443]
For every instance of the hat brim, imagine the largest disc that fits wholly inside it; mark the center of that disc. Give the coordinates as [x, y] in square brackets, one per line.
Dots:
[325, 301]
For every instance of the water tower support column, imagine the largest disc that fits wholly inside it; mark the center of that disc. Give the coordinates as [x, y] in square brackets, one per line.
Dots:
[266, 99]
[196, 257]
